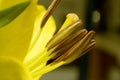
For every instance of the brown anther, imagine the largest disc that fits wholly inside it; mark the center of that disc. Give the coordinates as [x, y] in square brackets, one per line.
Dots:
[90, 46]
[70, 39]
[86, 43]
[50, 10]
[63, 34]
[69, 42]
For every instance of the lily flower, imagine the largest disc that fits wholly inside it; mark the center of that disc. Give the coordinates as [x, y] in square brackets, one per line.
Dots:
[29, 46]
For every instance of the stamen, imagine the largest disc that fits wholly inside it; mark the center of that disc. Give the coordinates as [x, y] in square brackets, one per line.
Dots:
[70, 18]
[79, 46]
[90, 46]
[49, 11]
[72, 38]
[63, 34]
[69, 42]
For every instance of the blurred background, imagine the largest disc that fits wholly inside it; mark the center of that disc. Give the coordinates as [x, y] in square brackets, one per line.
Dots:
[103, 62]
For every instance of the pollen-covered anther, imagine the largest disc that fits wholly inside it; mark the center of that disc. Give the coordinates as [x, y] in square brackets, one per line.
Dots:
[78, 48]
[49, 11]
[73, 16]
[63, 34]
[69, 42]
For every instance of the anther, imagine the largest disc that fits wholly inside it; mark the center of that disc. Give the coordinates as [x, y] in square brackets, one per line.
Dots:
[63, 34]
[69, 42]
[50, 10]
[81, 46]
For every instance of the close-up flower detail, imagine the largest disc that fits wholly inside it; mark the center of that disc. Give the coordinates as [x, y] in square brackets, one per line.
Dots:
[30, 45]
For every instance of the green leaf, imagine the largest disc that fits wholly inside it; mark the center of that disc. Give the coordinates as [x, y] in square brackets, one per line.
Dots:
[11, 13]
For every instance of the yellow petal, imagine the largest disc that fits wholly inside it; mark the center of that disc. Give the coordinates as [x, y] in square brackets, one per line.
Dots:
[8, 3]
[19, 36]
[9, 14]
[11, 69]
[38, 48]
